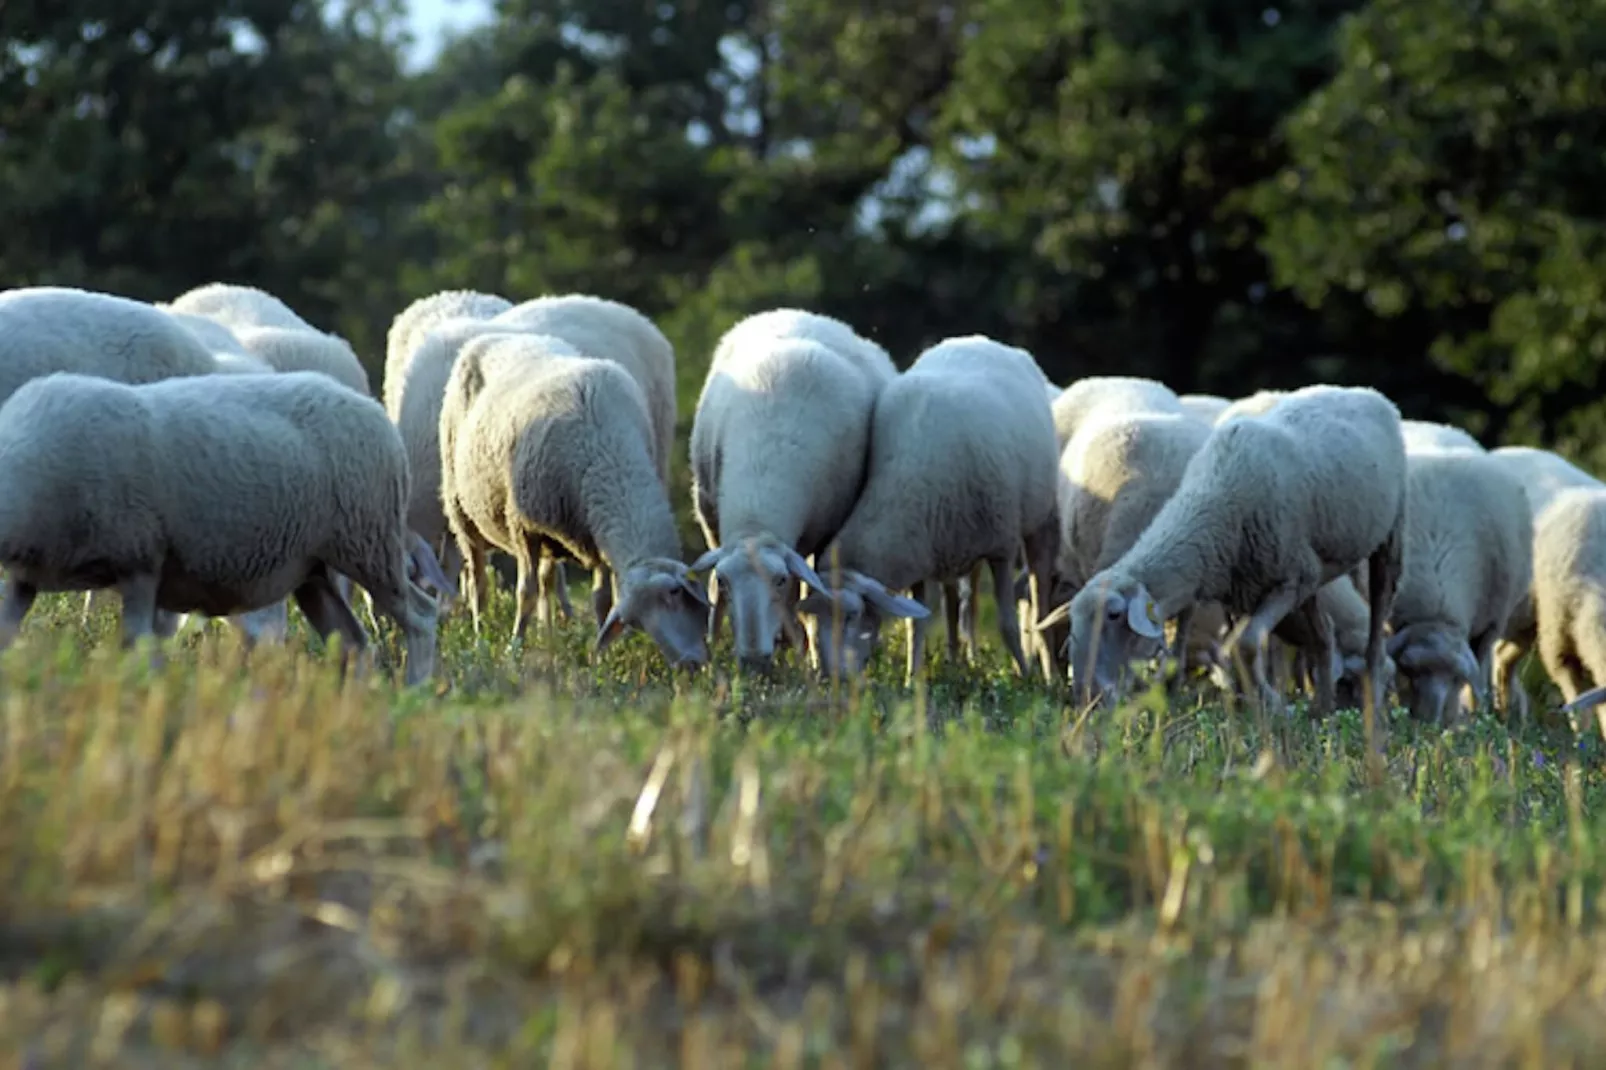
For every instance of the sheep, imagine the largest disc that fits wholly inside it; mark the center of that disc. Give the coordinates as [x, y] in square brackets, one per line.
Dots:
[1543, 475]
[1569, 592]
[961, 470]
[1109, 393]
[414, 322]
[236, 306]
[1468, 563]
[292, 349]
[1346, 607]
[1424, 435]
[45, 329]
[1115, 473]
[211, 495]
[609, 330]
[1271, 508]
[1204, 406]
[541, 444]
[417, 414]
[778, 448]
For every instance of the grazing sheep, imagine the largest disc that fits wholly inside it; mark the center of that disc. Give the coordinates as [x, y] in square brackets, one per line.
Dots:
[304, 349]
[1115, 473]
[1271, 508]
[1426, 435]
[45, 329]
[1346, 608]
[608, 330]
[408, 329]
[778, 448]
[961, 471]
[237, 306]
[216, 496]
[539, 445]
[1109, 393]
[1569, 591]
[1468, 563]
[1543, 475]
[1206, 407]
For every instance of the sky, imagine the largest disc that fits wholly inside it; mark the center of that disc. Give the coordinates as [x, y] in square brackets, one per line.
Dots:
[431, 18]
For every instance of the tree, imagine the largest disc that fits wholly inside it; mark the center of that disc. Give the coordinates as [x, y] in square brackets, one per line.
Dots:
[1452, 174]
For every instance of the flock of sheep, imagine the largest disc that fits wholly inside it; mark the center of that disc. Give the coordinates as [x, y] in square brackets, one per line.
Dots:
[218, 455]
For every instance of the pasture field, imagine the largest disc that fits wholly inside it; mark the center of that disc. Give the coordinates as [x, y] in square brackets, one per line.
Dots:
[555, 862]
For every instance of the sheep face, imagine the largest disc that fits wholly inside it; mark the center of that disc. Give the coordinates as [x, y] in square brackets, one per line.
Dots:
[755, 580]
[1113, 621]
[662, 598]
[1435, 663]
[861, 604]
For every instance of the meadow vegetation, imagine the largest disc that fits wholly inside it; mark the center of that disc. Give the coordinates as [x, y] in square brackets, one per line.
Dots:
[554, 860]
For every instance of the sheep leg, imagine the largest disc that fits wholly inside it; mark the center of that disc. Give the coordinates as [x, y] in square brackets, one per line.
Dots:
[602, 594]
[950, 615]
[139, 606]
[1008, 620]
[329, 614]
[1509, 695]
[1254, 630]
[529, 594]
[925, 592]
[1384, 568]
[19, 598]
[1318, 653]
[1042, 550]
[1179, 652]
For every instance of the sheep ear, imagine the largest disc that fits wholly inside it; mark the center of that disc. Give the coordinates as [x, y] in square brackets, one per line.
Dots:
[895, 605]
[1144, 616]
[1592, 697]
[695, 589]
[1466, 665]
[429, 568]
[800, 568]
[1058, 614]
[611, 629]
[817, 601]
[707, 561]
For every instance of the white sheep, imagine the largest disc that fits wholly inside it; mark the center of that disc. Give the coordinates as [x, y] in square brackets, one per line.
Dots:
[1543, 475]
[305, 349]
[1109, 393]
[1426, 435]
[1468, 564]
[211, 495]
[408, 329]
[608, 330]
[236, 306]
[1206, 407]
[1116, 472]
[778, 449]
[45, 329]
[542, 445]
[961, 470]
[1569, 592]
[1346, 607]
[1272, 507]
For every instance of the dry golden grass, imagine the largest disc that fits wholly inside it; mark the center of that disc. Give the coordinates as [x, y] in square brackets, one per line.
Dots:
[561, 864]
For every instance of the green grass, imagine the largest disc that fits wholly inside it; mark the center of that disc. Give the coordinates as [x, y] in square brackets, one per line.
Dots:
[558, 862]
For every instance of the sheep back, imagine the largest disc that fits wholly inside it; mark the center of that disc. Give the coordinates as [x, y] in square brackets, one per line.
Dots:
[962, 465]
[237, 306]
[418, 319]
[1109, 393]
[609, 330]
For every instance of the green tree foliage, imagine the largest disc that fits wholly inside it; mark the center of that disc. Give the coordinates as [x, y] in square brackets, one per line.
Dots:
[1220, 195]
[1453, 171]
[150, 147]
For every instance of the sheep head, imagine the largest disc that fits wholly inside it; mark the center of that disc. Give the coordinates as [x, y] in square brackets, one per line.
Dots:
[755, 576]
[1435, 663]
[662, 598]
[1113, 621]
[846, 621]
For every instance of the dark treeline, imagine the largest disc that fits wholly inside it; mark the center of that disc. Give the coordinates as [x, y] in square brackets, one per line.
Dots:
[1406, 193]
